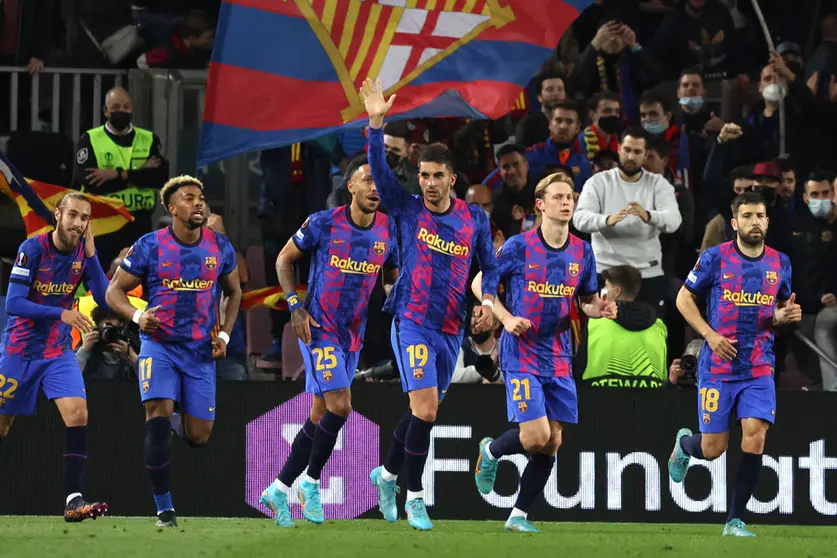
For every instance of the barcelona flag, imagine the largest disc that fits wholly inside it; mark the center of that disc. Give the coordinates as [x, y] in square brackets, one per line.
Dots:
[270, 297]
[285, 71]
[36, 202]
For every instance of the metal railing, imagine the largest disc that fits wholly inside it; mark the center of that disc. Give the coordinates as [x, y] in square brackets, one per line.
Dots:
[54, 75]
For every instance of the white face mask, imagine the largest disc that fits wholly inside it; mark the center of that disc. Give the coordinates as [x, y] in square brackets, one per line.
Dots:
[774, 93]
[819, 208]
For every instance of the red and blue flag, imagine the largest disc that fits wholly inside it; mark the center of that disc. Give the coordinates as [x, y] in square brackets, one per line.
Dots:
[285, 71]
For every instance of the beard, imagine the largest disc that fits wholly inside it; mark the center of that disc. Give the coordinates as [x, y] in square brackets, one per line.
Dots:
[751, 240]
[630, 171]
[66, 237]
[192, 224]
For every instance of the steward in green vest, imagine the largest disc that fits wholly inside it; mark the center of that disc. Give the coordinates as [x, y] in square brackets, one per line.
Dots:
[629, 351]
[121, 161]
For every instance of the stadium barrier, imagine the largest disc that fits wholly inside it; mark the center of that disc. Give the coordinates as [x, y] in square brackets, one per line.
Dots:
[612, 466]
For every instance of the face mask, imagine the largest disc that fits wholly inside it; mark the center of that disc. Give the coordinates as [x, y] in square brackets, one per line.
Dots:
[693, 103]
[795, 67]
[769, 194]
[819, 208]
[610, 124]
[119, 120]
[392, 159]
[774, 93]
[654, 128]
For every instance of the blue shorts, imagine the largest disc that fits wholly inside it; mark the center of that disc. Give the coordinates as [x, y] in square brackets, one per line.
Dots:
[426, 357]
[530, 397]
[179, 372]
[20, 381]
[750, 398]
[327, 366]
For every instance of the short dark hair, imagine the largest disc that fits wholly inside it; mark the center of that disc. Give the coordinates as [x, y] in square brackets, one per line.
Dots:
[819, 175]
[747, 198]
[626, 277]
[194, 24]
[543, 76]
[99, 314]
[604, 154]
[175, 184]
[565, 105]
[692, 71]
[636, 132]
[353, 165]
[742, 172]
[658, 144]
[510, 148]
[398, 129]
[654, 96]
[785, 164]
[70, 196]
[436, 153]
[604, 96]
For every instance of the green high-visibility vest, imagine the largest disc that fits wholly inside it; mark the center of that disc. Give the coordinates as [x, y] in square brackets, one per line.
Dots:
[109, 155]
[617, 357]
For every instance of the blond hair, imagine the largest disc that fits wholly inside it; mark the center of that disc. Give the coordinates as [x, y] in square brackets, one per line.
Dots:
[176, 183]
[559, 176]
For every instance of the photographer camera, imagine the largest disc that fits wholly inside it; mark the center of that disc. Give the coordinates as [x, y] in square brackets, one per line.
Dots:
[109, 352]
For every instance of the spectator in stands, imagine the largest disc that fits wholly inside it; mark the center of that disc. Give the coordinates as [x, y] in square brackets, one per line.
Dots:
[625, 210]
[115, 359]
[655, 116]
[480, 195]
[629, 351]
[121, 161]
[699, 33]
[189, 47]
[677, 250]
[719, 229]
[473, 147]
[614, 61]
[792, 55]
[786, 192]
[812, 254]
[402, 155]
[823, 61]
[605, 160]
[767, 178]
[603, 132]
[534, 127]
[514, 199]
[562, 147]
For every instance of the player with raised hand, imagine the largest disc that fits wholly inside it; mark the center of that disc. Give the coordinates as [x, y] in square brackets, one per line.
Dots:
[184, 269]
[37, 349]
[349, 246]
[544, 271]
[439, 236]
[747, 286]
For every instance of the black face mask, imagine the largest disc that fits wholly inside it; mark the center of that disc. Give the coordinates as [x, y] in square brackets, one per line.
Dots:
[769, 194]
[795, 67]
[392, 159]
[610, 124]
[120, 120]
[562, 145]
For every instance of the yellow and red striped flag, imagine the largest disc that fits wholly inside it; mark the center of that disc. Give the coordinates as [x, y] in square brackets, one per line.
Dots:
[271, 297]
[36, 202]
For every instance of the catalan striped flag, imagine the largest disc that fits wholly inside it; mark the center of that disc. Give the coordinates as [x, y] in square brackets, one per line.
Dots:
[271, 297]
[36, 202]
[285, 71]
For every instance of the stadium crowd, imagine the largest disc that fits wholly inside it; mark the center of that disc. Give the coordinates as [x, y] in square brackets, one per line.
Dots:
[633, 85]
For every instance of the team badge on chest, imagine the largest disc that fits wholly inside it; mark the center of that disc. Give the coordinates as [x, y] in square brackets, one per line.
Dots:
[379, 247]
[210, 262]
[572, 269]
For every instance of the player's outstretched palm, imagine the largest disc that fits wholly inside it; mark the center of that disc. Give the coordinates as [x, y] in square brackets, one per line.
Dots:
[372, 94]
[89, 245]
[77, 320]
[721, 346]
[302, 321]
[219, 349]
[149, 322]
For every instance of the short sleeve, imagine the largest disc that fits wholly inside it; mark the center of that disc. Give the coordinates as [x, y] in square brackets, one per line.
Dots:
[308, 235]
[135, 261]
[508, 257]
[700, 278]
[230, 258]
[26, 263]
[590, 278]
[786, 273]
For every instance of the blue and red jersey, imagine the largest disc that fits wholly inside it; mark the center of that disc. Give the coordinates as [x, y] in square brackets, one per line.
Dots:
[47, 278]
[741, 295]
[541, 284]
[183, 279]
[345, 265]
[436, 250]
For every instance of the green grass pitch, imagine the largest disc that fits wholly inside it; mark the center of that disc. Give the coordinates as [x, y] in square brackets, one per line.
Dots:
[50, 537]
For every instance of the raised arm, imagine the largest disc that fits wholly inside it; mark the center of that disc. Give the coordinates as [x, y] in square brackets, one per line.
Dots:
[392, 194]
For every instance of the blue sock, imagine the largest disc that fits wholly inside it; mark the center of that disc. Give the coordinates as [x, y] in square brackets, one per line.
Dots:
[300, 454]
[533, 479]
[507, 444]
[691, 445]
[394, 460]
[324, 440]
[416, 446]
[158, 461]
[75, 459]
[745, 483]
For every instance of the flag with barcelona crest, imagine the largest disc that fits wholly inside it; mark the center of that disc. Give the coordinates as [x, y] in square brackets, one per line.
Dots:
[285, 71]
